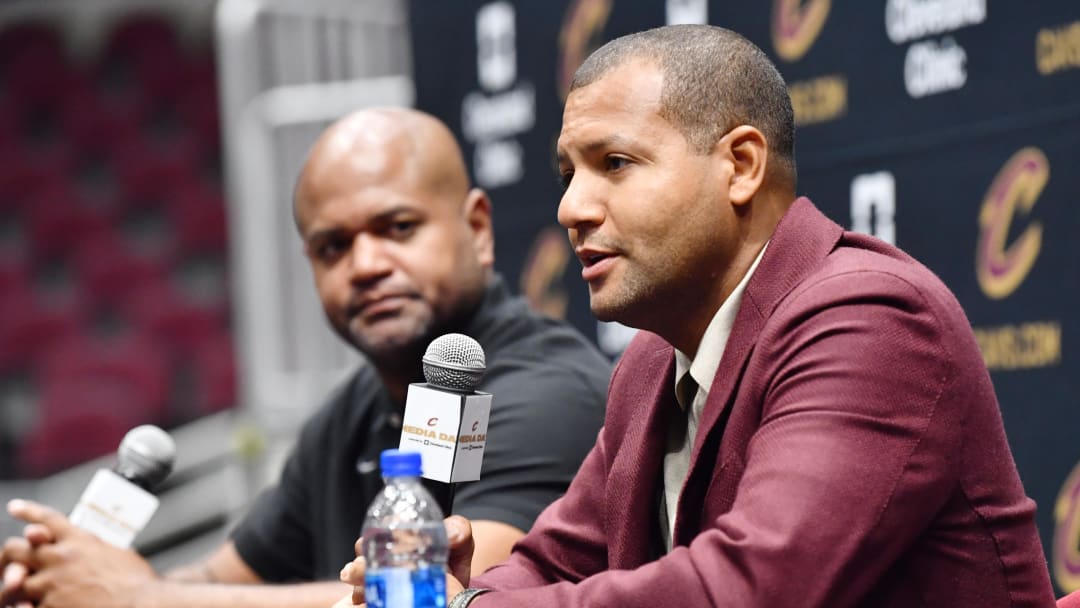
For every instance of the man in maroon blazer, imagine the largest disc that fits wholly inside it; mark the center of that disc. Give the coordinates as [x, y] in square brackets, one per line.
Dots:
[806, 419]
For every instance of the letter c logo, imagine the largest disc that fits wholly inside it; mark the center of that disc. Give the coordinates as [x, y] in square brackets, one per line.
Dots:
[795, 27]
[1066, 557]
[999, 266]
[432, 421]
[474, 425]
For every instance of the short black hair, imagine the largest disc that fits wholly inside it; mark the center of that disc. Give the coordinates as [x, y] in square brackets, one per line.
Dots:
[714, 81]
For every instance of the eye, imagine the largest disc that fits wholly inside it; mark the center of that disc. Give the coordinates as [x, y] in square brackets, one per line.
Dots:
[402, 229]
[332, 248]
[615, 163]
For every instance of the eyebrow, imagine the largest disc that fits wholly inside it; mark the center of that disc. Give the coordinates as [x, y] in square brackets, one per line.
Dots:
[384, 216]
[614, 140]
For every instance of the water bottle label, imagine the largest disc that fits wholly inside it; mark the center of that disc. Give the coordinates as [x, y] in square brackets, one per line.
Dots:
[404, 588]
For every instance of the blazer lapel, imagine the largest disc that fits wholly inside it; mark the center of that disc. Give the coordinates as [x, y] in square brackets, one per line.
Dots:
[633, 523]
[800, 242]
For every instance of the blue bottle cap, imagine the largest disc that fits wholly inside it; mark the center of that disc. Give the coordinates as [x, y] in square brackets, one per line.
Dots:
[399, 463]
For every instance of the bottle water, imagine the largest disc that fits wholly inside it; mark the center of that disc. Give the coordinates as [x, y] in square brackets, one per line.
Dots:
[405, 542]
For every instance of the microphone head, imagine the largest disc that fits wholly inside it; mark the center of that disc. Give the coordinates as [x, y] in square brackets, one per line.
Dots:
[146, 455]
[454, 362]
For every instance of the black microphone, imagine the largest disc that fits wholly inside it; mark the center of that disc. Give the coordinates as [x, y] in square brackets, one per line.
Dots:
[118, 503]
[446, 419]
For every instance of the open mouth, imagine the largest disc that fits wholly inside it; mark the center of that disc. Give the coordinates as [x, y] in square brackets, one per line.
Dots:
[593, 258]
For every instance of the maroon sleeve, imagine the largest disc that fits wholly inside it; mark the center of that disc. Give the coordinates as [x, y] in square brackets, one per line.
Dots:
[856, 450]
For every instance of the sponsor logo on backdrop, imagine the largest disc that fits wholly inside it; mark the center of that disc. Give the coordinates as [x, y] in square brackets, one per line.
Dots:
[492, 117]
[873, 205]
[796, 25]
[999, 265]
[1066, 549]
[687, 11]
[932, 66]
[907, 20]
[819, 100]
[1020, 346]
[1058, 48]
[542, 276]
[580, 35]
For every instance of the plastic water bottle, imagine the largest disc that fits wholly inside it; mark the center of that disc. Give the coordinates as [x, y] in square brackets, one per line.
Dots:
[405, 542]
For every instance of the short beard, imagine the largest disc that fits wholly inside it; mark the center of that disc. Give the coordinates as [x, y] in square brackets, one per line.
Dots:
[402, 357]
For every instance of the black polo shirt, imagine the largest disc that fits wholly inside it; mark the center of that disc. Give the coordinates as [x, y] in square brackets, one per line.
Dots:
[549, 386]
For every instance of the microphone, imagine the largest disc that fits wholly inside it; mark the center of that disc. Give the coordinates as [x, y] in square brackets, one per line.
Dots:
[445, 418]
[117, 503]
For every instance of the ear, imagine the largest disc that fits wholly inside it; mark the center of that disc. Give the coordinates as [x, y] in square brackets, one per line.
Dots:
[478, 215]
[748, 151]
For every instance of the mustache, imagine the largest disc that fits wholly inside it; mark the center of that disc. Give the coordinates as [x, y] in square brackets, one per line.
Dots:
[591, 240]
[361, 299]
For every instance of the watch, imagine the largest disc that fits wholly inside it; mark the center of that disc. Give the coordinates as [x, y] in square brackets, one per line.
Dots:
[462, 599]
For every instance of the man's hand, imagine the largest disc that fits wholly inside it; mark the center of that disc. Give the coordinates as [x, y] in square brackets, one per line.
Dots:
[16, 563]
[71, 567]
[459, 533]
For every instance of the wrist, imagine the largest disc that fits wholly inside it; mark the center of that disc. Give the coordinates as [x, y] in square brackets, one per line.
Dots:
[150, 594]
[463, 599]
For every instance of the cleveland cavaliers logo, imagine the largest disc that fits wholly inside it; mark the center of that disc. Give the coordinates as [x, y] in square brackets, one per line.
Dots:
[796, 25]
[543, 272]
[580, 35]
[1000, 266]
[1066, 553]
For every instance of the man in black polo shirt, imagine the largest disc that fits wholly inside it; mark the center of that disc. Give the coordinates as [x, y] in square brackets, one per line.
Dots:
[402, 251]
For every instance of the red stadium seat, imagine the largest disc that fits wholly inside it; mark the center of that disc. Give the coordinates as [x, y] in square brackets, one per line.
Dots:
[30, 327]
[199, 218]
[26, 173]
[13, 278]
[1070, 601]
[199, 104]
[140, 34]
[109, 269]
[65, 438]
[142, 52]
[33, 62]
[59, 220]
[161, 311]
[148, 176]
[31, 38]
[103, 126]
[214, 374]
[132, 370]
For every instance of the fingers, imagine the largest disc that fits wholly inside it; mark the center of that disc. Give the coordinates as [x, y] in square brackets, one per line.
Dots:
[36, 513]
[17, 549]
[35, 585]
[353, 572]
[459, 533]
[14, 576]
[38, 534]
[458, 530]
[357, 596]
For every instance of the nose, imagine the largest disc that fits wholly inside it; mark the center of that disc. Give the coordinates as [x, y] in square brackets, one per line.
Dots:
[581, 205]
[369, 260]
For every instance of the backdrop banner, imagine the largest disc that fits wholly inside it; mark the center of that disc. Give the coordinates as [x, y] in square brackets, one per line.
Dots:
[950, 128]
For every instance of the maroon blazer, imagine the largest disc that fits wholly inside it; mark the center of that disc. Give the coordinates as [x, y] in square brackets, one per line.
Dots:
[851, 453]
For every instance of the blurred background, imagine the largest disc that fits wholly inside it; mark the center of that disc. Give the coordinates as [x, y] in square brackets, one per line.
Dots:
[149, 270]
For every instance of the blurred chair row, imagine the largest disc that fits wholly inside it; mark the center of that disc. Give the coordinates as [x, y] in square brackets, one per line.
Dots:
[113, 282]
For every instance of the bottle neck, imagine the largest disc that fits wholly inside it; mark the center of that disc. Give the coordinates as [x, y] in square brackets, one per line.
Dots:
[399, 479]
